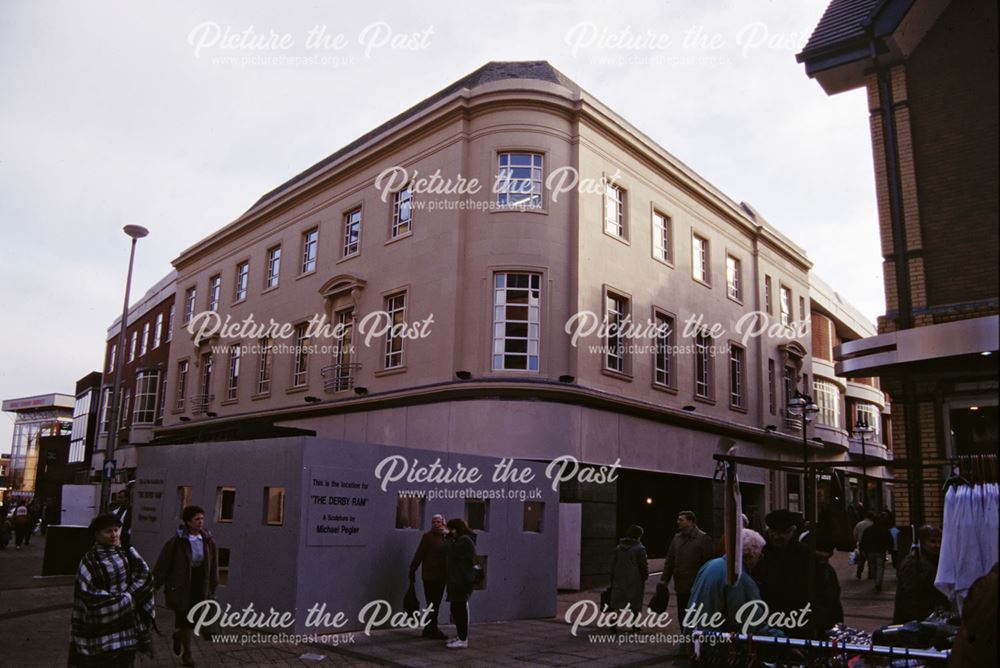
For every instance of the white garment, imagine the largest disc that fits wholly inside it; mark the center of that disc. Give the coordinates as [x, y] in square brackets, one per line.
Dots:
[197, 549]
[969, 545]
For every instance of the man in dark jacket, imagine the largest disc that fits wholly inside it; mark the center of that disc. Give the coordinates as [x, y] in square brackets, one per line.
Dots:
[916, 595]
[432, 554]
[690, 548]
[783, 571]
[629, 572]
[875, 543]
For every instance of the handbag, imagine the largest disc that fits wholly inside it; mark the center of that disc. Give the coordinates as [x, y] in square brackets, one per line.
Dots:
[661, 599]
[852, 558]
[606, 599]
[410, 601]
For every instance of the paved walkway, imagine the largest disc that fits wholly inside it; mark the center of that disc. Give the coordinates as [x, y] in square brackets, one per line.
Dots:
[34, 628]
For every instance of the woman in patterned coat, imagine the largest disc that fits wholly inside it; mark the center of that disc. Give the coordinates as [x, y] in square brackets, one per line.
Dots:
[113, 606]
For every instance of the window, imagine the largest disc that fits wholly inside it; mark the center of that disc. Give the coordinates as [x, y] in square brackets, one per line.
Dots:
[242, 281]
[352, 233]
[112, 357]
[147, 388]
[264, 366]
[144, 343]
[225, 504]
[132, 345]
[189, 300]
[873, 416]
[663, 247]
[274, 506]
[516, 309]
[785, 305]
[789, 382]
[273, 267]
[616, 310]
[477, 512]
[534, 514]
[402, 212]
[772, 400]
[214, 292]
[123, 404]
[702, 365]
[161, 404]
[205, 397]
[802, 308]
[828, 401]
[106, 410]
[734, 278]
[395, 307]
[343, 378]
[519, 180]
[614, 210]
[182, 377]
[78, 435]
[232, 385]
[663, 351]
[410, 512]
[737, 376]
[300, 369]
[169, 334]
[223, 565]
[310, 242]
[158, 331]
[699, 258]
[767, 294]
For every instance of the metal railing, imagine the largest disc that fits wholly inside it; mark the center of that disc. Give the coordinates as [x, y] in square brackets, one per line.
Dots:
[200, 403]
[339, 377]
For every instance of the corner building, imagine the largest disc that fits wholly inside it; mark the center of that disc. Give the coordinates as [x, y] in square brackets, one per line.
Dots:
[492, 278]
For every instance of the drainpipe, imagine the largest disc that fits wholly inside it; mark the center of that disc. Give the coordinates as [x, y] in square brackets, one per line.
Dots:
[904, 311]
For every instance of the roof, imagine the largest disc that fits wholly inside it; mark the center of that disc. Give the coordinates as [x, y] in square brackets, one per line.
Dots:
[492, 71]
[843, 21]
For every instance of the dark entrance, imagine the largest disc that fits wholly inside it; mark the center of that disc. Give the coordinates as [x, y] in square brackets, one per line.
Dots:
[652, 500]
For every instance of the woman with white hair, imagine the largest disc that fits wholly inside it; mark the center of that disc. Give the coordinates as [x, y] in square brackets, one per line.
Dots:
[711, 593]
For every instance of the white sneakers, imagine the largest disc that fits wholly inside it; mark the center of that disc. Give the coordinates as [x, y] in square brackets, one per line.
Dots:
[457, 644]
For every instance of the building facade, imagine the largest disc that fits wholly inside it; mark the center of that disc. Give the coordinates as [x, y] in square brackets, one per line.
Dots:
[593, 298]
[930, 71]
[35, 417]
[144, 375]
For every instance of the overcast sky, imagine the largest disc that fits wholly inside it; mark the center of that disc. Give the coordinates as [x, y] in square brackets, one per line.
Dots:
[121, 112]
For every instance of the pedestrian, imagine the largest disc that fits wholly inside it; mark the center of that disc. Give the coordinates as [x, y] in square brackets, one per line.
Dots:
[629, 572]
[783, 570]
[188, 570]
[124, 514]
[827, 609]
[916, 595]
[462, 574]
[431, 557]
[5, 531]
[113, 607]
[690, 548]
[876, 541]
[22, 526]
[859, 532]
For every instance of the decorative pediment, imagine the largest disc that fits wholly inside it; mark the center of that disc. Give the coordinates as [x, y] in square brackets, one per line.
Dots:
[793, 349]
[342, 284]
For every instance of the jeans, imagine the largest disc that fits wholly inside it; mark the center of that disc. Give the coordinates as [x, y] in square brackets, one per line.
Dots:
[434, 592]
[460, 615]
[876, 566]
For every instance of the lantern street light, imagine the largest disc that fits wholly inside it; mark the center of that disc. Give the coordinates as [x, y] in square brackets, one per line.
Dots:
[802, 406]
[861, 429]
[136, 232]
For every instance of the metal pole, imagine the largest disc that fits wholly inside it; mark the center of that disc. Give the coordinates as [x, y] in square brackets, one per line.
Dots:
[864, 472]
[807, 505]
[109, 453]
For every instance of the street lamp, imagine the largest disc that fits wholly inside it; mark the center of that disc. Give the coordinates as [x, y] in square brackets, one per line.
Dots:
[136, 232]
[861, 428]
[802, 406]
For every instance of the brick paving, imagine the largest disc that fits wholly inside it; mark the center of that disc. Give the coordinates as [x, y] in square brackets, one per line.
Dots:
[34, 631]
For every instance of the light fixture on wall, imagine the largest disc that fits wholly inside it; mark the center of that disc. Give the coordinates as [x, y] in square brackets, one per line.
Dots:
[463, 375]
[185, 418]
[312, 400]
[771, 428]
[689, 408]
[566, 378]
[211, 414]
[360, 391]
[649, 500]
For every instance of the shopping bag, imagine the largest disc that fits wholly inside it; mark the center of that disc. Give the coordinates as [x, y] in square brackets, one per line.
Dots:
[852, 558]
[410, 601]
[661, 599]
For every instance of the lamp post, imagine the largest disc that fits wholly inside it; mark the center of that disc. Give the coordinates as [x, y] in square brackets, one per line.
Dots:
[802, 405]
[862, 428]
[136, 232]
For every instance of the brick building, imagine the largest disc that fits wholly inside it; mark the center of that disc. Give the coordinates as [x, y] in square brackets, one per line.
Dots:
[930, 70]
